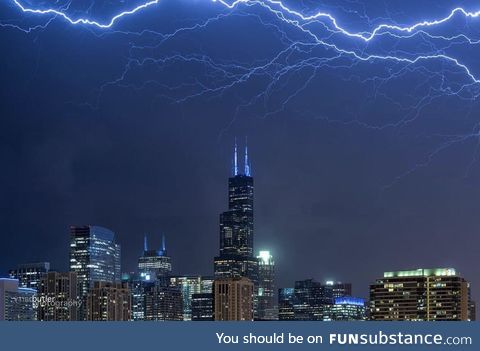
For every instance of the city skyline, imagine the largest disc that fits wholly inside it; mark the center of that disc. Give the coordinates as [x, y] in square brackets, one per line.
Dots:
[239, 175]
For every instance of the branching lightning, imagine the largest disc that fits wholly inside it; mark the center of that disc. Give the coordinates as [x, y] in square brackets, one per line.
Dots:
[310, 42]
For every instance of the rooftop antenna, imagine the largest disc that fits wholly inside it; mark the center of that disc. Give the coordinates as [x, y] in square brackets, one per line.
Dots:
[247, 165]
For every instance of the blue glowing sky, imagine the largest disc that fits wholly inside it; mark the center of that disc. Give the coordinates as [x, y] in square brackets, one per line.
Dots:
[362, 119]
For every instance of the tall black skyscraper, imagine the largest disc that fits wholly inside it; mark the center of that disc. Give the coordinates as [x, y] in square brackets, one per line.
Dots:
[236, 257]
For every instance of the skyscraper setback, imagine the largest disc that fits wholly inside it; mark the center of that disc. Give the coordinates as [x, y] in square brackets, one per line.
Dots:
[236, 257]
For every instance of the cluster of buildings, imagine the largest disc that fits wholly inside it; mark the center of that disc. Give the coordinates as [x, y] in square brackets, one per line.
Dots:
[241, 288]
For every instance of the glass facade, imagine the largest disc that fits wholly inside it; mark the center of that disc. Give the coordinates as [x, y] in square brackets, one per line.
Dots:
[94, 256]
[190, 285]
[310, 300]
[202, 307]
[346, 309]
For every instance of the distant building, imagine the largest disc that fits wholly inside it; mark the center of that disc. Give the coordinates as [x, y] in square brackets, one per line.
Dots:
[190, 285]
[266, 306]
[29, 274]
[438, 294]
[339, 289]
[203, 307]
[236, 257]
[472, 311]
[154, 263]
[16, 303]
[233, 299]
[136, 285]
[109, 302]
[94, 256]
[310, 300]
[163, 302]
[286, 311]
[58, 297]
[346, 309]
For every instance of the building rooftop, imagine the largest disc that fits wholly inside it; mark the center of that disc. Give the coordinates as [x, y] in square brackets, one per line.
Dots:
[422, 272]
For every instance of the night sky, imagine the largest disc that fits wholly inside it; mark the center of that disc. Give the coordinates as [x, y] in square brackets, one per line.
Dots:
[360, 167]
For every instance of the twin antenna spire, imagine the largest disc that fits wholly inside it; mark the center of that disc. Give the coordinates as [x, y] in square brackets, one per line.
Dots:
[145, 244]
[247, 168]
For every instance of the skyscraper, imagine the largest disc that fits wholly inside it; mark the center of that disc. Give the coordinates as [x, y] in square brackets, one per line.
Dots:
[154, 263]
[58, 297]
[94, 256]
[190, 285]
[29, 274]
[310, 300]
[233, 299]
[286, 300]
[438, 294]
[136, 285]
[203, 307]
[163, 302]
[266, 308]
[236, 257]
[109, 302]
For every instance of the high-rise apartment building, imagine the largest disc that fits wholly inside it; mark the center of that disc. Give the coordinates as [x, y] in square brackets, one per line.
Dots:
[163, 302]
[233, 299]
[58, 297]
[438, 294]
[109, 302]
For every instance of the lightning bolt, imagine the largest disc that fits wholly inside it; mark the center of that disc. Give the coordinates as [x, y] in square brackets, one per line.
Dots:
[320, 29]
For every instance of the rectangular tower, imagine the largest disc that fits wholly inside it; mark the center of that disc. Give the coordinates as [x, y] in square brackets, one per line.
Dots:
[236, 258]
[438, 294]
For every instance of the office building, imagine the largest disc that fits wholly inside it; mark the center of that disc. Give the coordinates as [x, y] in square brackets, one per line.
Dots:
[163, 302]
[154, 263]
[266, 304]
[203, 307]
[136, 286]
[438, 294]
[190, 285]
[310, 300]
[346, 309]
[233, 298]
[339, 289]
[29, 274]
[109, 302]
[58, 297]
[286, 297]
[94, 256]
[236, 257]
[16, 303]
